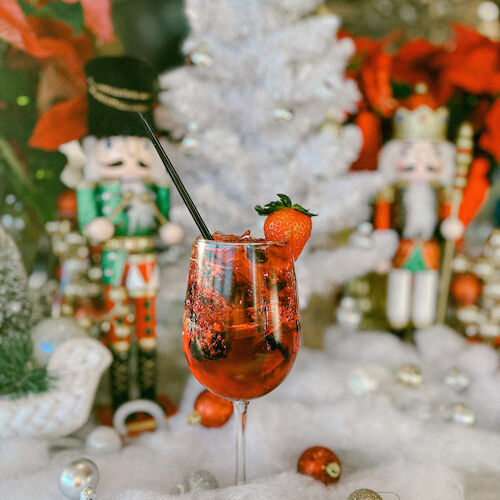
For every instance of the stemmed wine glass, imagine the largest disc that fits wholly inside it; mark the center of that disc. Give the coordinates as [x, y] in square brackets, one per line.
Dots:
[241, 325]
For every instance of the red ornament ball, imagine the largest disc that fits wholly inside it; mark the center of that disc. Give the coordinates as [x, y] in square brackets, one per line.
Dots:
[210, 410]
[321, 464]
[465, 289]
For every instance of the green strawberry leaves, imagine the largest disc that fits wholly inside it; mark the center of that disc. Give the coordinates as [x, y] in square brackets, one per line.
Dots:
[285, 202]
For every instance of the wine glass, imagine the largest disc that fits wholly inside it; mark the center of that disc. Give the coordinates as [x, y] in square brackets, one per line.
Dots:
[241, 324]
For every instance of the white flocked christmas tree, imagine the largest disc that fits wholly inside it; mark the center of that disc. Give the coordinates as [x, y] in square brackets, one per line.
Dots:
[258, 110]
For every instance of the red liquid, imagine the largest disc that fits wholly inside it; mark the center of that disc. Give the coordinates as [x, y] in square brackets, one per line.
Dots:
[241, 327]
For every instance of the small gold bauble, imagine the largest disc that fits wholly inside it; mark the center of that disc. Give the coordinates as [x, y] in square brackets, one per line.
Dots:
[409, 375]
[364, 494]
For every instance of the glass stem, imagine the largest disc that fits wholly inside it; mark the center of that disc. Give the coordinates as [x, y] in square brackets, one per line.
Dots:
[240, 410]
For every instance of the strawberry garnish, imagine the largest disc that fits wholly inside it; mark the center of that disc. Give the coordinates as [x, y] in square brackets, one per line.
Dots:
[287, 222]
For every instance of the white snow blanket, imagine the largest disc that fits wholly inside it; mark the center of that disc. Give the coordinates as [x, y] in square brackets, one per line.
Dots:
[389, 437]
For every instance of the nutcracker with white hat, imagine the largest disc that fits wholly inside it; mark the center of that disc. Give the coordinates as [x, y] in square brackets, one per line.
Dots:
[123, 201]
[420, 165]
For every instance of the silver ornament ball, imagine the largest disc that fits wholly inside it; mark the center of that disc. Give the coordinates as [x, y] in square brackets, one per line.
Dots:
[201, 480]
[78, 475]
[458, 413]
[103, 439]
[364, 494]
[457, 379]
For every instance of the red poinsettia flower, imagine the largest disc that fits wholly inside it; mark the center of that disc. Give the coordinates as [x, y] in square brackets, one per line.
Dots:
[472, 62]
[371, 128]
[62, 55]
[490, 139]
[419, 61]
[97, 15]
[371, 67]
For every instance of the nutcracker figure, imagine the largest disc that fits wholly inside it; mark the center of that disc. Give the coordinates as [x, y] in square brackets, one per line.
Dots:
[123, 203]
[420, 164]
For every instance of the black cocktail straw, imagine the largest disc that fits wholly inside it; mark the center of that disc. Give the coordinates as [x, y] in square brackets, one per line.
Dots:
[177, 181]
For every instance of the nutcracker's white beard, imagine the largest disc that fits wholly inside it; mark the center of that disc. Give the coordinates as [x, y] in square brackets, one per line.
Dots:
[140, 214]
[420, 211]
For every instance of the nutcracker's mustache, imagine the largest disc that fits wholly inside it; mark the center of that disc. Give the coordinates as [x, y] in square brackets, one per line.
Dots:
[419, 202]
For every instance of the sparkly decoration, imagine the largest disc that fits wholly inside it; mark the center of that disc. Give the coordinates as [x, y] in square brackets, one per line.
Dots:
[321, 464]
[77, 476]
[457, 379]
[210, 410]
[364, 494]
[361, 381]
[479, 314]
[200, 481]
[424, 19]
[409, 375]
[348, 314]
[103, 439]
[197, 481]
[50, 333]
[190, 142]
[200, 57]
[459, 413]
[282, 114]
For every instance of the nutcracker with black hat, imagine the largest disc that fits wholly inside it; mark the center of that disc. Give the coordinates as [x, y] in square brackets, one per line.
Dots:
[123, 201]
[421, 166]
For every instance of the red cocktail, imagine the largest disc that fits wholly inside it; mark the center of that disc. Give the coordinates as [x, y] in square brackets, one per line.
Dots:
[241, 326]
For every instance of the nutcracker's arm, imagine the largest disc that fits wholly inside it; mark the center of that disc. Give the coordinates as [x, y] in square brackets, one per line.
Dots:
[86, 200]
[382, 208]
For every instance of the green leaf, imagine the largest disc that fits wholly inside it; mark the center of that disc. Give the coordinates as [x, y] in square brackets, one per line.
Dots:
[68, 13]
[285, 202]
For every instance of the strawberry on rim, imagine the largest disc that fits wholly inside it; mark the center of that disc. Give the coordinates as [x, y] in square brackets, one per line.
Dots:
[287, 222]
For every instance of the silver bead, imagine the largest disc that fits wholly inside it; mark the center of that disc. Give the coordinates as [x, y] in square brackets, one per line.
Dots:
[457, 379]
[282, 114]
[190, 144]
[78, 475]
[409, 375]
[103, 439]
[364, 494]
[201, 480]
[459, 413]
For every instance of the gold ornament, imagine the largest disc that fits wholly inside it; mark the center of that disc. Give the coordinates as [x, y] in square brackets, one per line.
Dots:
[409, 375]
[364, 494]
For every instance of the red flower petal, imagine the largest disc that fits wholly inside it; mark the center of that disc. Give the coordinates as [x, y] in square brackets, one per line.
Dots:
[62, 123]
[371, 128]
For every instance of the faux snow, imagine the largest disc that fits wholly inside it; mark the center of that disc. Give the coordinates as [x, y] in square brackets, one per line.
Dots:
[389, 437]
